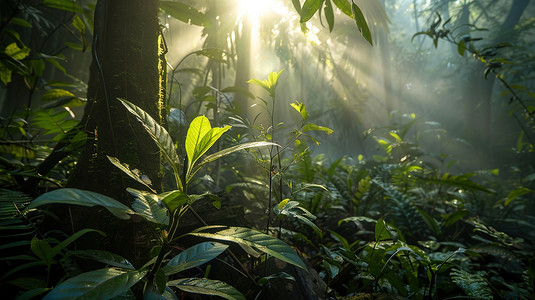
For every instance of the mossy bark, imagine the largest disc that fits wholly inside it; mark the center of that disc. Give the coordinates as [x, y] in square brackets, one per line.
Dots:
[125, 65]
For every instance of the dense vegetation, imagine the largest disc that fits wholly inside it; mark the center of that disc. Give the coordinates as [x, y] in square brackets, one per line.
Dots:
[319, 149]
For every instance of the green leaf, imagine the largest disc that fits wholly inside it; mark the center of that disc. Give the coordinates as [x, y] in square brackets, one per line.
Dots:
[134, 174]
[200, 137]
[474, 285]
[207, 287]
[309, 127]
[254, 239]
[185, 13]
[215, 54]
[461, 48]
[67, 5]
[194, 256]
[73, 238]
[146, 204]
[174, 199]
[344, 6]
[84, 198]
[17, 53]
[42, 249]
[310, 7]
[357, 219]
[80, 26]
[269, 84]
[30, 294]
[381, 231]
[329, 14]
[516, 193]
[105, 257]
[300, 107]
[227, 151]
[99, 284]
[21, 22]
[54, 94]
[361, 23]
[160, 136]
[297, 6]
[5, 74]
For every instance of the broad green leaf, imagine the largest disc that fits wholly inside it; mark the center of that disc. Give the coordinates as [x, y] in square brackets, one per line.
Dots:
[147, 205]
[17, 53]
[207, 287]
[344, 6]
[200, 137]
[42, 249]
[315, 127]
[84, 198]
[329, 14]
[194, 256]
[516, 193]
[227, 151]
[174, 199]
[361, 23]
[105, 257]
[300, 107]
[381, 231]
[310, 7]
[160, 136]
[134, 174]
[54, 94]
[256, 240]
[238, 90]
[184, 13]
[152, 293]
[99, 284]
[67, 5]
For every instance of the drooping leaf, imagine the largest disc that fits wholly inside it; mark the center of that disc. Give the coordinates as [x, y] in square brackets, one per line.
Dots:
[516, 193]
[146, 205]
[362, 25]
[105, 257]
[255, 239]
[310, 7]
[185, 13]
[43, 250]
[83, 198]
[99, 284]
[207, 287]
[344, 6]
[73, 238]
[357, 219]
[329, 14]
[194, 256]
[174, 199]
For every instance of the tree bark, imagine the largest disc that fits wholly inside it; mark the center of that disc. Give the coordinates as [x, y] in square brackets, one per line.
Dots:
[125, 65]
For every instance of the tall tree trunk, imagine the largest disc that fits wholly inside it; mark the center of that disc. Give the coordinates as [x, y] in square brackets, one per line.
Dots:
[479, 90]
[125, 65]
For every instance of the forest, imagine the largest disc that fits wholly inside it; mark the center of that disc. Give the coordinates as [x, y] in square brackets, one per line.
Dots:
[267, 149]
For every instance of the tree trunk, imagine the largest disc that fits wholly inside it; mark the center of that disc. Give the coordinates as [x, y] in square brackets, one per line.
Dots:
[125, 65]
[478, 90]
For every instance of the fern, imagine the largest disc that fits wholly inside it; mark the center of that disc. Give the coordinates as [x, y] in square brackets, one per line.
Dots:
[474, 285]
[406, 215]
